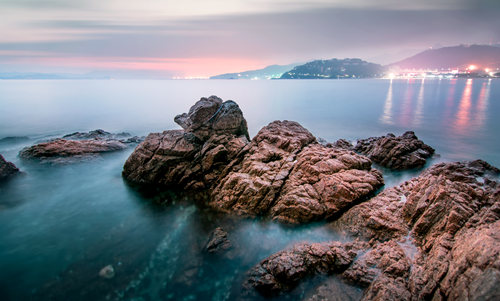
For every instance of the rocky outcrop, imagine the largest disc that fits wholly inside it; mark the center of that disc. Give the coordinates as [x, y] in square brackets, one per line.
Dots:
[284, 270]
[214, 133]
[79, 145]
[62, 148]
[287, 175]
[218, 241]
[403, 152]
[434, 237]
[282, 173]
[7, 169]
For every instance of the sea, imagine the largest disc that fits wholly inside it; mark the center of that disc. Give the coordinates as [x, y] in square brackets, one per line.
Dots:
[60, 224]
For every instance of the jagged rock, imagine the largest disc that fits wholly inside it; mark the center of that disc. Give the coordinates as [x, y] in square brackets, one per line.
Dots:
[100, 134]
[342, 143]
[435, 237]
[7, 169]
[287, 175]
[193, 158]
[403, 152]
[218, 241]
[61, 148]
[95, 134]
[284, 270]
[210, 116]
[452, 212]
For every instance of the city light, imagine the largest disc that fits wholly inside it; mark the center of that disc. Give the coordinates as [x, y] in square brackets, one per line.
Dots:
[472, 67]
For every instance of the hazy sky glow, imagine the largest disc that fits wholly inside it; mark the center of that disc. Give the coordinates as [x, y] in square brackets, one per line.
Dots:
[201, 38]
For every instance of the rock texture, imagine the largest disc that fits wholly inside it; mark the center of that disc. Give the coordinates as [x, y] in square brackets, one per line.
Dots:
[61, 148]
[435, 237]
[7, 169]
[284, 270]
[403, 152]
[218, 241]
[78, 145]
[282, 173]
[285, 174]
[214, 133]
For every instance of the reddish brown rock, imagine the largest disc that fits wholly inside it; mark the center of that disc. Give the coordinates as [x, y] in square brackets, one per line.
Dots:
[62, 148]
[7, 169]
[285, 174]
[403, 152]
[453, 213]
[218, 241]
[323, 183]
[284, 270]
[193, 158]
[435, 237]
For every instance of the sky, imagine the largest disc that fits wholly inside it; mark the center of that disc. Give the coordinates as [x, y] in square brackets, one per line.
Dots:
[192, 38]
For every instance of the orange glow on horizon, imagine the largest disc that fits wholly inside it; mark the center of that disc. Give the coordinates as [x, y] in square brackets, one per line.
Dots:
[181, 67]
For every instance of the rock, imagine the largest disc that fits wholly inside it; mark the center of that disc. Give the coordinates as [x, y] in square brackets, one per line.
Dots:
[210, 116]
[452, 215]
[323, 183]
[218, 241]
[435, 237]
[285, 174]
[103, 135]
[284, 270]
[95, 134]
[403, 152]
[107, 272]
[193, 158]
[7, 169]
[342, 143]
[61, 148]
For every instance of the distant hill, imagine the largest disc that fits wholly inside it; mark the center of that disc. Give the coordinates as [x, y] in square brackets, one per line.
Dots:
[273, 71]
[453, 57]
[335, 68]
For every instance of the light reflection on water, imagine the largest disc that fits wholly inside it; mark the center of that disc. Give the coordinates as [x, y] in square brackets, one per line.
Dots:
[61, 224]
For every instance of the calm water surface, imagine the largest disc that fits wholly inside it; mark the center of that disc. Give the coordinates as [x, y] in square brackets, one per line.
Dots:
[59, 225]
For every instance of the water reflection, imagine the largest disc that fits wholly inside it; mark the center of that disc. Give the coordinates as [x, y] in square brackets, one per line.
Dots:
[482, 105]
[406, 110]
[462, 118]
[417, 118]
[387, 115]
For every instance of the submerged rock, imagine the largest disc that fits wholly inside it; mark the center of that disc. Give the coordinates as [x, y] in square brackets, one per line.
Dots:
[107, 272]
[215, 132]
[287, 175]
[403, 152]
[61, 148]
[7, 169]
[218, 241]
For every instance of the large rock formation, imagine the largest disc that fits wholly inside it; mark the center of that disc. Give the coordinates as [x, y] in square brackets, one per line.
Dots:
[285, 174]
[214, 133]
[7, 169]
[435, 237]
[403, 152]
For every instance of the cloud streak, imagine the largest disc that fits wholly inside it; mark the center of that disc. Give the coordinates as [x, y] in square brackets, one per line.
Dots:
[297, 33]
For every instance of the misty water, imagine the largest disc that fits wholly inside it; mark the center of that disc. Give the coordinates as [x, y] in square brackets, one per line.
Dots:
[60, 224]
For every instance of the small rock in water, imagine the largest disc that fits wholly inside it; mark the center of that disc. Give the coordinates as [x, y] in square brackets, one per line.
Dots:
[107, 272]
[218, 241]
